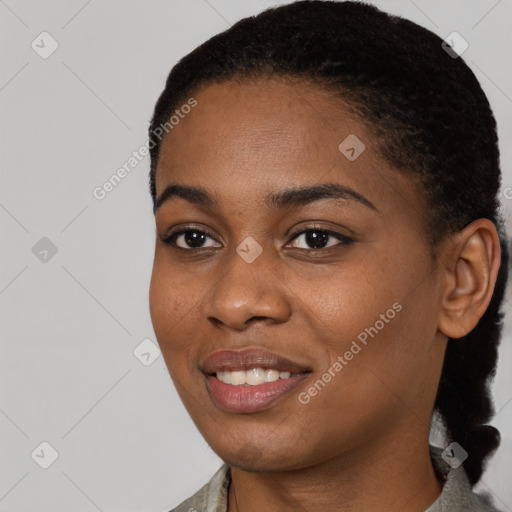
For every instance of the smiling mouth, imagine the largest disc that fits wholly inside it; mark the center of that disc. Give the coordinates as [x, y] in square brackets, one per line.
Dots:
[252, 397]
[250, 380]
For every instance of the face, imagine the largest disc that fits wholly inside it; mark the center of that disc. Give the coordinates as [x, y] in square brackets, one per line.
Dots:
[300, 257]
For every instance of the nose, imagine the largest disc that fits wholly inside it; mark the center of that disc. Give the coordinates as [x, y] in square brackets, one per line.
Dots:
[248, 292]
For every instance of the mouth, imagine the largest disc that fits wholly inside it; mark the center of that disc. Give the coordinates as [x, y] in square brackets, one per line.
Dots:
[250, 380]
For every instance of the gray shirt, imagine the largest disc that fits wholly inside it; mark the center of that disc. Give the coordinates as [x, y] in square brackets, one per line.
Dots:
[456, 496]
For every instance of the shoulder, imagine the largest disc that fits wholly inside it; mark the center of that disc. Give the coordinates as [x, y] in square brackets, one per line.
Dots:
[212, 497]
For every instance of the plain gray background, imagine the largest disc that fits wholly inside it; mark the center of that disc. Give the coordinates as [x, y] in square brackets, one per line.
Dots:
[70, 321]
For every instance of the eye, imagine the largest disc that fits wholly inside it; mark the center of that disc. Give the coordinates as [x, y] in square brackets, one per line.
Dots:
[321, 238]
[188, 239]
[193, 238]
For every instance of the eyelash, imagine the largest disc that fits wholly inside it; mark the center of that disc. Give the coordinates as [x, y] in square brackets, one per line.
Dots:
[170, 239]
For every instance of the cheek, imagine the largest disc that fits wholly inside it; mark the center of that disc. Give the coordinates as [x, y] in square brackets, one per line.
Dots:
[373, 321]
[381, 356]
[344, 305]
[158, 299]
[167, 303]
[174, 299]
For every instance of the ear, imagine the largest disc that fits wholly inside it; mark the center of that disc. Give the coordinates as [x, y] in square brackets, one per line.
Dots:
[471, 261]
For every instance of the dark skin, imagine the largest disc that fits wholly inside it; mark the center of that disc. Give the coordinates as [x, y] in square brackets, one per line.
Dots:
[367, 430]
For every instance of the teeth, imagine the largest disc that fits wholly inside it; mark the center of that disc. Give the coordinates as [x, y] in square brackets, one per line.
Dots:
[237, 378]
[253, 377]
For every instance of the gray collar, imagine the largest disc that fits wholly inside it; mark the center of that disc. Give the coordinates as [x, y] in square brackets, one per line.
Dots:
[456, 496]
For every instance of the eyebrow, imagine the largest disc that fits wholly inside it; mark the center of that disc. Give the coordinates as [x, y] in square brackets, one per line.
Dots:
[279, 200]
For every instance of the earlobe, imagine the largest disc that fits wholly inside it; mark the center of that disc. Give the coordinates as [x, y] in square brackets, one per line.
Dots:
[470, 276]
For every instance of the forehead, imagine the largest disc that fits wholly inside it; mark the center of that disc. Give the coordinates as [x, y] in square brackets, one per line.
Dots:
[257, 109]
[252, 135]
[260, 123]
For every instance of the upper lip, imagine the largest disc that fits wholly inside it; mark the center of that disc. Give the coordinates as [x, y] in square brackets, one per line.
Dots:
[245, 359]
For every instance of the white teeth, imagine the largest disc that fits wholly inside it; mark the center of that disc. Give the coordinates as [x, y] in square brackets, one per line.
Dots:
[271, 375]
[253, 377]
[237, 378]
[224, 377]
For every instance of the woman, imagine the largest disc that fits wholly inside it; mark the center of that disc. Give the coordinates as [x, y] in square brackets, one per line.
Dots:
[330, 263]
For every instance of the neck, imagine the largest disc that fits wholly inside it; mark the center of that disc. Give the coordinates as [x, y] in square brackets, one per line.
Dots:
[392, 476]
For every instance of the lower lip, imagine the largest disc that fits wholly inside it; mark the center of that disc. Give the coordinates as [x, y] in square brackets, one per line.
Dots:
[251, 398]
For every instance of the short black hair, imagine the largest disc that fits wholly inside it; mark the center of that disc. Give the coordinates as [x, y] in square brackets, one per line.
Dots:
[430, 119]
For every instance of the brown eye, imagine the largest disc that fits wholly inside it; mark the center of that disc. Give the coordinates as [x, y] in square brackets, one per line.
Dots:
[189, 239]
[321, 238]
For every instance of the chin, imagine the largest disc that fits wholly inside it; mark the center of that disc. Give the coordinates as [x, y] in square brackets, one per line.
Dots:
[260, 456]
[258, 463]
